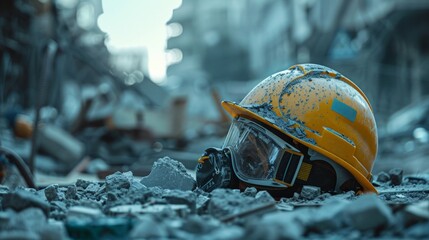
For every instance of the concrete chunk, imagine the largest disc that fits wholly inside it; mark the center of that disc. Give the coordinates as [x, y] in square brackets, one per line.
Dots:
[119, 180]
[329, 216]
[310, 192]
[169, 174]
[181, 197]
[383, 177]
[368, 212]
[51, 192]
[396, 175]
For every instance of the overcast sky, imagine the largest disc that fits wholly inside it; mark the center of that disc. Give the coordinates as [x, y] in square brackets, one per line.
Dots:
[139, 23]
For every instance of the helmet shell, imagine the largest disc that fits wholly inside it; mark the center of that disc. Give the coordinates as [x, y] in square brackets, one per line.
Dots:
[321, 109]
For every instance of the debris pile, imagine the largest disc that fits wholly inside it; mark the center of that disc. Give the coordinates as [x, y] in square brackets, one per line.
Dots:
[166, 204]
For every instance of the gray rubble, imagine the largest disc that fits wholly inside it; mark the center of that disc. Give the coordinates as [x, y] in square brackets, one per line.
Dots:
[123, 207]
[169, 174]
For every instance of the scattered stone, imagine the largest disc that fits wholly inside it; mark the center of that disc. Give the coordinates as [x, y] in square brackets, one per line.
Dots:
[92, 188]
[181, 197]
[383, 177]
[396, 176]
[329, 216]
[310, 192]
[82, 183]
[51, 192]
[368, 212]
[119, 180]
[3, 190]
[71, 192]
[148, 228]
[22, 199]
[278, 225]
[418, 212]
[169, 174]
[264, 197]
[250, 192]
[80, 211]
[202, 204]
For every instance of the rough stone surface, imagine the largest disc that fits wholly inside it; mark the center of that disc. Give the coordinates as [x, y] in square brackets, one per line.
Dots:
[310, 192]
[368, 212]
[143, 212]
[250, 191]
[22, 199]
[279, 225]
[169, 174]
[119, 180]
[181, 197]
[51, 192]
[383, 177]
[396, 176]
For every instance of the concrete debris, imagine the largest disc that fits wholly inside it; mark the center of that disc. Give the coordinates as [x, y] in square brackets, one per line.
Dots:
[418, 212]
[123, 207]
[383, 177]
[119, 180]
[84, 212]
[278, 225]
[22, 199]
[250, 191]
[173, 175]
[310, 192]
[396, 175]
[368, 212]
[149, 228]
[181, 197]
[51, 192]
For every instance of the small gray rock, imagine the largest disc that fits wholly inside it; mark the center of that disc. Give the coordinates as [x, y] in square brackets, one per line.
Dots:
[396, 175]
[169, 174]
[51, 192]
[119, 180]
[383, 177]
[250, 192]
[310, 192]
[368, 212]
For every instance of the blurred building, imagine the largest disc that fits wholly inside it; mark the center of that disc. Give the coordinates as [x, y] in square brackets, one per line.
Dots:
[208, 43]
[382, 45]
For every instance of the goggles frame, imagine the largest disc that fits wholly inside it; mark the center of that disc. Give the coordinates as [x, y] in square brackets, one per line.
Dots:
[288, 160]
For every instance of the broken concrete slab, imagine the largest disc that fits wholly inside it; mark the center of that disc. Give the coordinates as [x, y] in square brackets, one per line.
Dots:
[169, 174]
[368, 212]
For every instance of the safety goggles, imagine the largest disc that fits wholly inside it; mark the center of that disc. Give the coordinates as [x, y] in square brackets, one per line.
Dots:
[260, 157]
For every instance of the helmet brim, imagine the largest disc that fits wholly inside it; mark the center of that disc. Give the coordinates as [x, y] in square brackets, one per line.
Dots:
[237, 111]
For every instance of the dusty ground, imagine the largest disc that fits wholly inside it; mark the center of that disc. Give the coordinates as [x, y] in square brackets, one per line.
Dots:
[165, 205]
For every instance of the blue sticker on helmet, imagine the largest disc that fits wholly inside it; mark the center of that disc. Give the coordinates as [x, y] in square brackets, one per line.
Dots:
[344, 110]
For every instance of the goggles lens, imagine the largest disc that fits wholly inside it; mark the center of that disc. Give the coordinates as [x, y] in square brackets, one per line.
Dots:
[260, 157]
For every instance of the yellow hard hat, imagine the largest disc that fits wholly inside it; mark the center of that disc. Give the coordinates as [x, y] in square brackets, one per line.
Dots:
[320, 109]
